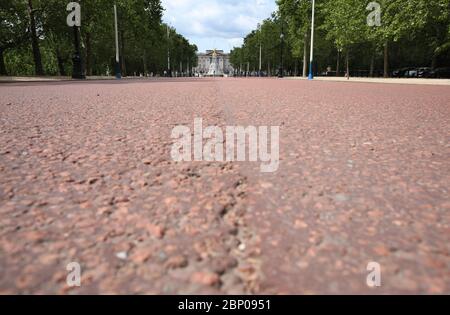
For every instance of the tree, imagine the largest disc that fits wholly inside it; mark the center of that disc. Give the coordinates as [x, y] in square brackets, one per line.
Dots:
[247, 57]
[57, 33]
[437, 28]
[297, 15]
[344, 22]
[142, 37]
[399, 19]
[14, 29]
[39, 70]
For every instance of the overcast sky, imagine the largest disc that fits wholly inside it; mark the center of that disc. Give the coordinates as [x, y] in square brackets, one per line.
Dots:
[217, 24]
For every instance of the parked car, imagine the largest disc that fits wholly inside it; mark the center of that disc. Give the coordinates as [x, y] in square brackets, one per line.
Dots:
[424, 72]
[411, 73]
[401, 73]
[440, 73]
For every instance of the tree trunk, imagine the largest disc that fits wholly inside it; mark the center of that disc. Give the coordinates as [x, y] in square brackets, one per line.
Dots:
[338, 63]
[434, 58]
[88, 54]
[59, 58]
[124, 67]
[386, 60]
[2, 64]
[34, 41]
[434, 62]
[348, 65]
[372, 64]
[144, 63]
[305, 56]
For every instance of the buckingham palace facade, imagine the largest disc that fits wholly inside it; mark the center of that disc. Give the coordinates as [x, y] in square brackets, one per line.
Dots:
[214, 62]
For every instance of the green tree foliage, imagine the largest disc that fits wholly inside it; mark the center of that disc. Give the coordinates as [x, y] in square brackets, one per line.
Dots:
[297, 14]
[412, 33]
[344, 23]
[142, 36]
[14, 28]
[268, 36]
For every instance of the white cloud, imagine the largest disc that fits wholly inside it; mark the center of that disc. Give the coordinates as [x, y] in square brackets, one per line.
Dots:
[217, 24]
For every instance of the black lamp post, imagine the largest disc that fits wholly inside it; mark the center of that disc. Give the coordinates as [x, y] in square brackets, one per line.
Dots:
[117, 68]
[280, 71]
[77, 72]
[169, 71]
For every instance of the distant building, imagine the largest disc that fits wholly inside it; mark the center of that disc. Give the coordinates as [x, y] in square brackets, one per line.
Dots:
[214, 62]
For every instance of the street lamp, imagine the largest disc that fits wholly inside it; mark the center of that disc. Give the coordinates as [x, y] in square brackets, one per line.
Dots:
[311, 55]
[77, 72]
[260, 50]
[168, 52]
[116, 33]
[280, 71]
[74, 21]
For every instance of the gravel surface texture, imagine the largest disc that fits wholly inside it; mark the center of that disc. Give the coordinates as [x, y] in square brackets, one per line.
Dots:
[86, 176]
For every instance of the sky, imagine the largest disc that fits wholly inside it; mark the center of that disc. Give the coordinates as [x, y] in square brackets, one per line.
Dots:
[219, 24]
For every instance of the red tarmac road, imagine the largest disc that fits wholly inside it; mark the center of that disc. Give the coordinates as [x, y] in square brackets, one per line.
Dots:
[87, 177]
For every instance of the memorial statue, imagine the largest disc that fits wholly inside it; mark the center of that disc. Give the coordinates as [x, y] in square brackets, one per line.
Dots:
[214, 69]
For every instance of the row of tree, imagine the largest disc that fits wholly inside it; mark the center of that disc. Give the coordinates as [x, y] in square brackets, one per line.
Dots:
[411, 33]
[35, 39]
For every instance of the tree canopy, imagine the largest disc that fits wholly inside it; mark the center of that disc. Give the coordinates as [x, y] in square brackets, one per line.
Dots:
[35, 39]
[412, 33]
